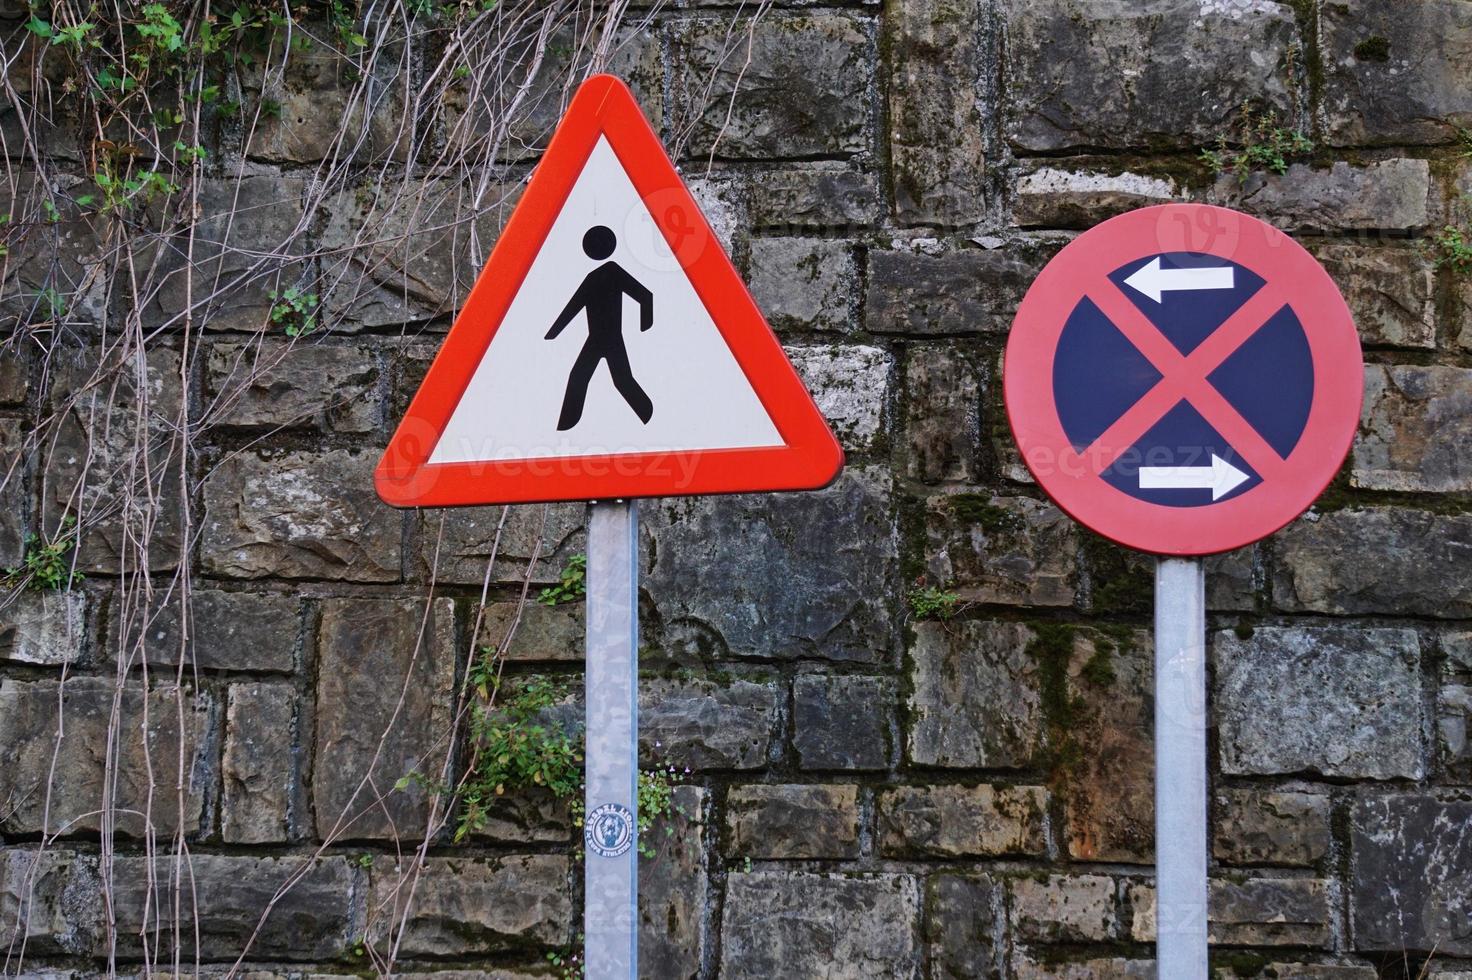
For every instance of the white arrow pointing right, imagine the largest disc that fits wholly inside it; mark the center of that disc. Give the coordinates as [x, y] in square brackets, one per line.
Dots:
[1153, 281]
[1221, 477]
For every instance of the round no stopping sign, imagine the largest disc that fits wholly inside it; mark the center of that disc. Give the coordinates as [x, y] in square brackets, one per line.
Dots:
[1183, 379]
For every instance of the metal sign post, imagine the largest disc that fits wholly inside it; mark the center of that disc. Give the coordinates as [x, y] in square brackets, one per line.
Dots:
[610, 828]
[1184, 380]
[1180, 768]
[699, 399]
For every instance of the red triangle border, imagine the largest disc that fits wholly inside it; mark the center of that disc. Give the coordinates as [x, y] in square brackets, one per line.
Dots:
[810, 457]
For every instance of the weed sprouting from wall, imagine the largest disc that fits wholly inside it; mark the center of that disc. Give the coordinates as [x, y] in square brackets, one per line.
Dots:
[1452, 245]
[1260, 142]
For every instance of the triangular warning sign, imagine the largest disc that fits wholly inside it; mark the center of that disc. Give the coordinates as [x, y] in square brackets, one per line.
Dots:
[608, 349]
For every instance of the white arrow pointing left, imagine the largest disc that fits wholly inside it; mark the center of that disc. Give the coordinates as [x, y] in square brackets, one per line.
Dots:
[1221, 477]
[1153, 281]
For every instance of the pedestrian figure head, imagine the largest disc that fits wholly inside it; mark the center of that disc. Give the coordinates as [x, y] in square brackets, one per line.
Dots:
[598, 242]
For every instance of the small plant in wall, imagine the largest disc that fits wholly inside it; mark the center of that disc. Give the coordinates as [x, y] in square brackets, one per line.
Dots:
[932, 602]
[517, 745]
[47, 564]
[121, 194]
[571, 586]
[656, 805]
[569, 966]
[50, 306]
[294, 310]
[1261, 142]
[1453, 244]
[1454, 249]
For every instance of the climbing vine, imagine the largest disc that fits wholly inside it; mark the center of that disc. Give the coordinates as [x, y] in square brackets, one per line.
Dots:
[181, 167]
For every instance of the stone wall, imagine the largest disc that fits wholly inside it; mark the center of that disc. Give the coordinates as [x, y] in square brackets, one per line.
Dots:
[871, 794]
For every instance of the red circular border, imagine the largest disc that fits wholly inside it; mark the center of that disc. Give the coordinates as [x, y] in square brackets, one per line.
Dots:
[1084, 264]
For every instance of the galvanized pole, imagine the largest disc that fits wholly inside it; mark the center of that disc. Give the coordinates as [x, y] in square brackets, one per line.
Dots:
[610, 837]
[1180, 769]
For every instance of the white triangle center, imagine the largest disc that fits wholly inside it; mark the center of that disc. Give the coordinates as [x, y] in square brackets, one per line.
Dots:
[700, 397]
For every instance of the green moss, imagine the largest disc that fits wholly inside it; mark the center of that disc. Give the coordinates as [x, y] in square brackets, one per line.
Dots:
[1040, 875]
[811, 266]
[1240, 963]
[1185, 171]
[978, 509]
[1125, 594]
[1052, 649]
[1074, 954]
[1339, 495]
[1243, 630]
[1308, 24]
[1122, 585]
[1099, 670]
[912, 520]
[1373, 48]
[1122, 636]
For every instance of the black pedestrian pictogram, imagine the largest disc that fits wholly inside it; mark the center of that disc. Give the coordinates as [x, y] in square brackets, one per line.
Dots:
[601, 294]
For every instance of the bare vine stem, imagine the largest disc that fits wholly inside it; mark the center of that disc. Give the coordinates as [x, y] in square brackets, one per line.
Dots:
[148, 151]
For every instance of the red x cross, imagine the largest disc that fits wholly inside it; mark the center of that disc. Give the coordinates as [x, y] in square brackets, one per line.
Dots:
[1074, 480]
[1185, 377]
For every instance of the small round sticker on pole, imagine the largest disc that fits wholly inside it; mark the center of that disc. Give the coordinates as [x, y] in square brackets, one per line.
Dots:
[1183, 379]
[609, 830]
